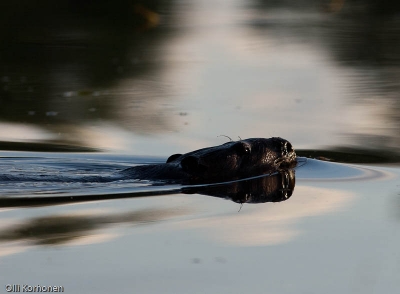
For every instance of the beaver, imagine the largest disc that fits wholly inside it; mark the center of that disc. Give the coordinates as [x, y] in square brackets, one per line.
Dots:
[227, 162]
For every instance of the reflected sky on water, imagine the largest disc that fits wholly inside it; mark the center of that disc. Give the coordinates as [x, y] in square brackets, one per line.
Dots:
[166, 73]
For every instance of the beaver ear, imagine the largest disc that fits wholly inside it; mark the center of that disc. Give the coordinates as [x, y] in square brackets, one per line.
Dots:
[173, 157]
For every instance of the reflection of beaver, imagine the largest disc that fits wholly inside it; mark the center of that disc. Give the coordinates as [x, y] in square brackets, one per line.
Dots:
[275, 188]
[230, 161]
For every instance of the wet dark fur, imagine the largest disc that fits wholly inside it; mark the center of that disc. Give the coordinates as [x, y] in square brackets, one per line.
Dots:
[230, 161]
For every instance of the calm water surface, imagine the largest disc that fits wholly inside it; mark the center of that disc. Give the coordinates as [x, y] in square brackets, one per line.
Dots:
[136, 82]
[337, 232]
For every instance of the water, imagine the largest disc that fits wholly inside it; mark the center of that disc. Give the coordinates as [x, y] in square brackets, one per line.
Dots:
[82, 95]
[340, 224]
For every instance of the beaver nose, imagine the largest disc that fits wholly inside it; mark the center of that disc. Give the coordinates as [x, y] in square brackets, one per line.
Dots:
[287, 148]
[192, 164]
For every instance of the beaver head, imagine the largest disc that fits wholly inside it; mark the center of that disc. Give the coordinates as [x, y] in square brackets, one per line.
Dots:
[236, 159]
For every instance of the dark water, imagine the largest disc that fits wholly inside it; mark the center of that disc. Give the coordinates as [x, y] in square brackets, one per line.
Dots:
[90, 88]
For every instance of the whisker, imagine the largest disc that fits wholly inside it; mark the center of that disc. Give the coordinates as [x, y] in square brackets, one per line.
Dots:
[225, 136]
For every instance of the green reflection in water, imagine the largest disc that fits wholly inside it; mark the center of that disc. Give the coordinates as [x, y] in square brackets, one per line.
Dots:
[58, 59]
[352, 155]
[59, 229]
[44, 147]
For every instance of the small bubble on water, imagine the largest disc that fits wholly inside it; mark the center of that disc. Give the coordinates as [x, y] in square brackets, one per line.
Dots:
[69, 94]
[196, 260]
[31, 112]
[51, 113]
[5, 79]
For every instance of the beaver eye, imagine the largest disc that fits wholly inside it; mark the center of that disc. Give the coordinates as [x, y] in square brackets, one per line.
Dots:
[242, 148]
